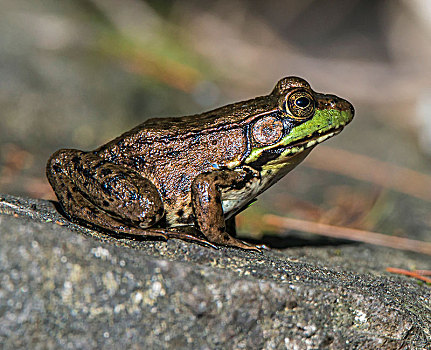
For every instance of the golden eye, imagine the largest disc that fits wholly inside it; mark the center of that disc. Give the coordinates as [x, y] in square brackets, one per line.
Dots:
[267, 130]
[300, 104]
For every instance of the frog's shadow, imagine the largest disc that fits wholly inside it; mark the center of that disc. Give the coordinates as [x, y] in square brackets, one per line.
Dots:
[296, 241]
[271, 241]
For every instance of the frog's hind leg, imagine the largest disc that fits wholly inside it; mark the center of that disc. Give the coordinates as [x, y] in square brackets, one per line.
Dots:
[92, 191]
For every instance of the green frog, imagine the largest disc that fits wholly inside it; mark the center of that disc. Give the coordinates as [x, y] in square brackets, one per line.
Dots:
[188, 177]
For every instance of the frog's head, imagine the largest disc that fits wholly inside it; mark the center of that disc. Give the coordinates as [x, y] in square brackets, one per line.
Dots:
[301, 118]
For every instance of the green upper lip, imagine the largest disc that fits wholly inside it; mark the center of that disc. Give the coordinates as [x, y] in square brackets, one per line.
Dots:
[314, 136]
[323, 122]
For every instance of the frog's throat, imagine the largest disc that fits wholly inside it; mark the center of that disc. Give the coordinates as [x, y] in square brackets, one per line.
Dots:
[324, 124]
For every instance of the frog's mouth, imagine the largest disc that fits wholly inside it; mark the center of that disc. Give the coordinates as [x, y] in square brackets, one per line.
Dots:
[313, 140]
[283, 154]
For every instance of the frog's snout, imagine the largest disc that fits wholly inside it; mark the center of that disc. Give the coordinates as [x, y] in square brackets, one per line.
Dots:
[342, 105]
[347, 106]
[329, 101]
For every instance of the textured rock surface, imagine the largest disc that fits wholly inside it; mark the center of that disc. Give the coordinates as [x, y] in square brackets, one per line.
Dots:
[63, 286]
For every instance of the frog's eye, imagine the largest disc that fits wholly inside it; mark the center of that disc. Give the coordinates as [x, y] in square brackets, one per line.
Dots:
[267, 130]
[300, 104]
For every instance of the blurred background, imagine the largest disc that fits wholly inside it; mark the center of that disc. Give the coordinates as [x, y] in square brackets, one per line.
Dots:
[75, 74]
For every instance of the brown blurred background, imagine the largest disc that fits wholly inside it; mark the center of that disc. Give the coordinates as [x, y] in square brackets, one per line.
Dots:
[78, 73]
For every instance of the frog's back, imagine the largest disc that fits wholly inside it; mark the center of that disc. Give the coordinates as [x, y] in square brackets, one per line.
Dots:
[202, 141]
[224, 118]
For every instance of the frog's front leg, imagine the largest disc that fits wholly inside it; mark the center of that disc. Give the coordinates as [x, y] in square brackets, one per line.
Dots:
[207, 204]
[103, 194]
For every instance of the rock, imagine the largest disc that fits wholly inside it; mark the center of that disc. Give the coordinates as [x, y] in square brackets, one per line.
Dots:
[65, 286]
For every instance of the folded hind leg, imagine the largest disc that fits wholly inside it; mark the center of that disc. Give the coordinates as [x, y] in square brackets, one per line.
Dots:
[98, 193]
[93, 216]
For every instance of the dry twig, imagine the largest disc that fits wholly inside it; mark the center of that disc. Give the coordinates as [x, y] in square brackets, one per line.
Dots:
[414, 273]
[349, 234]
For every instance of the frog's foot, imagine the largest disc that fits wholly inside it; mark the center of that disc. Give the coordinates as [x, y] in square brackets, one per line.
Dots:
[196, 237]
[189, 237]
[227, 240]
[169, 233]
[231, 242]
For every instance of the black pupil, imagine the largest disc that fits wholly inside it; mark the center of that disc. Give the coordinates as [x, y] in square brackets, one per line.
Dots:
[302, 102]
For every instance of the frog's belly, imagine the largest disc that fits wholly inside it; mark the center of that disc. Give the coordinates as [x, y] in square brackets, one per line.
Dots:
[235, 199]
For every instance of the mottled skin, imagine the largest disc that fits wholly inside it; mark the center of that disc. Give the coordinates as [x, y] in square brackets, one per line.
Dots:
[167, 176]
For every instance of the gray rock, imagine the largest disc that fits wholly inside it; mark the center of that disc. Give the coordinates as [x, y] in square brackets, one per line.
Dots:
[65, 286]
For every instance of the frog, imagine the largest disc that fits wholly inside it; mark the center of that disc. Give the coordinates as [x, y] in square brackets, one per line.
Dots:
[188, 177]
